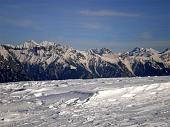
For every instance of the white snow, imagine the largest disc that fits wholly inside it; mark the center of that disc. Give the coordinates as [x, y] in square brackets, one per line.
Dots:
[124, 102]
[38, 94]
[4, 52]
[47, 43]
[128, 95]
[73, 67]
[28, 44]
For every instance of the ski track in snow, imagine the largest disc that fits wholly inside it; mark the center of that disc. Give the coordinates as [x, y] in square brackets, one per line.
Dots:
[114, 102]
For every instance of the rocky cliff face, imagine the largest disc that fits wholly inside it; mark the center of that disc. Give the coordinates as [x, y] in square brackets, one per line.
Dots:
[51, 61]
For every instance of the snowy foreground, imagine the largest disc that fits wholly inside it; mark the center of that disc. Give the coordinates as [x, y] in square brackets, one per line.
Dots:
[134, 102]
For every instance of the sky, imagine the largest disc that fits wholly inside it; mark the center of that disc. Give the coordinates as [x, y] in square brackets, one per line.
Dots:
[119, 25]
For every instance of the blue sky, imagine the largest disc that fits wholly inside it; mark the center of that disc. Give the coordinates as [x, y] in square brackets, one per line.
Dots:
[116, 24]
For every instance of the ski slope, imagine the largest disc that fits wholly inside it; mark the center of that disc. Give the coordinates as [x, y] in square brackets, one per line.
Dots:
[114, 102]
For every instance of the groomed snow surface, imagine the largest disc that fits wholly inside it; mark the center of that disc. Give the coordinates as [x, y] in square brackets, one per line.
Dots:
[114, 102]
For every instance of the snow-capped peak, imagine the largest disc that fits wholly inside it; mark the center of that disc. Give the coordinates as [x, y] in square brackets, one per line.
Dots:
[101, 51]
[28, 44]
[142, 52]
[47, 43]
[105, 51]
[166, 51]
[9, 45]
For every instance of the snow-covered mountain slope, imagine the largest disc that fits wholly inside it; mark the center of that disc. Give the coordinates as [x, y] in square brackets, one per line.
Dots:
[111, 102]
[165, 55]
[143, 52]
[48, 60]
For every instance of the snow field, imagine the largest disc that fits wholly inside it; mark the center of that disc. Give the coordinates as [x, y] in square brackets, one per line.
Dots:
[124, 102]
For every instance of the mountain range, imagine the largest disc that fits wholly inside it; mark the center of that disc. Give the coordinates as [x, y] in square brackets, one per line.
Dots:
[52, 61]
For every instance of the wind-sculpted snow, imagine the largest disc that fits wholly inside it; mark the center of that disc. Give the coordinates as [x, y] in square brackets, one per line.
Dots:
[124, 102]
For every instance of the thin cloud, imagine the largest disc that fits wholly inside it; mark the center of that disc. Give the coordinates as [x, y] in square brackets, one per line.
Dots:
[17, 22]
[22, 23]
[92, 25]
[107, 13]
[146, 35]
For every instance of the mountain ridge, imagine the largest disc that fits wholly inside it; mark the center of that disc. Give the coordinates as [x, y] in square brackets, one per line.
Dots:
[53, 61]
